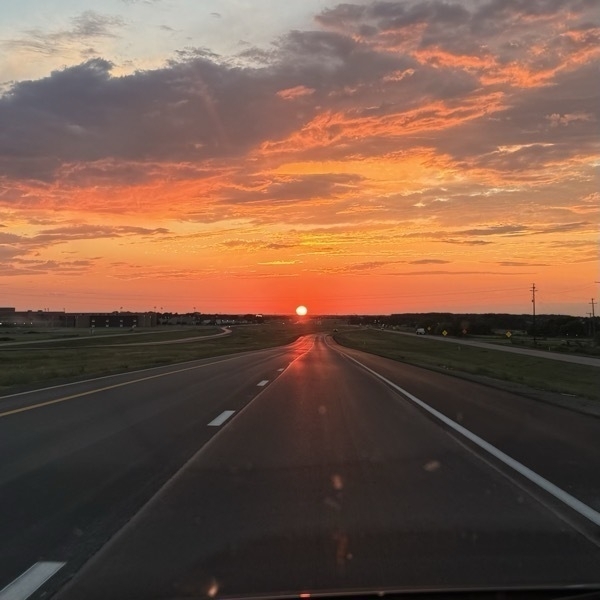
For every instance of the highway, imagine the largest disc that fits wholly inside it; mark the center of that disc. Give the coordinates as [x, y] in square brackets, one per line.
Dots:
[303, 468]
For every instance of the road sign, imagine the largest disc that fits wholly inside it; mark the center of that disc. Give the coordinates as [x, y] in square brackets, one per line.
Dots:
[444, 333]
[464, 332]
[508, 334]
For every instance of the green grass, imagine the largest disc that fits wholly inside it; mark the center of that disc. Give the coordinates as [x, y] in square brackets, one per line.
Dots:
[70, 336]
[36, 364]
[537, 373]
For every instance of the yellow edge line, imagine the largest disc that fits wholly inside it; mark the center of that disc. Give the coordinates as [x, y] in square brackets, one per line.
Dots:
[108, 387]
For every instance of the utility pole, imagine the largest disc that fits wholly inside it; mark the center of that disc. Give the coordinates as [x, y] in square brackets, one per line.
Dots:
[533, 290]
[593, 319]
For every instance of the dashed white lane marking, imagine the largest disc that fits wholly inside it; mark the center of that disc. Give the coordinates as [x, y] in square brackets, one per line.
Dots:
[280, 370]
[583, 509]
[217, 422]
[32, 579]
[262, 383]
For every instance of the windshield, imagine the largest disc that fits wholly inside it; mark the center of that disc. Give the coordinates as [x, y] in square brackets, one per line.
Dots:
[298, 297]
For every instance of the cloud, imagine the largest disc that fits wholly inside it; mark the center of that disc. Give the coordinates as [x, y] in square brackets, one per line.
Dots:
[87, 26]
[28, 266]
[283, 189]
[516, 263]
[497, 230]
[362, 268]
[296, 92]
[467, 242]
[375, 77]
[460, 273]
[14, 245]
[429, 261]
[255, 245]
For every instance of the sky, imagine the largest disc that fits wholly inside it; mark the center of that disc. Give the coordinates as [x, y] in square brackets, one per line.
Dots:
[253, 155]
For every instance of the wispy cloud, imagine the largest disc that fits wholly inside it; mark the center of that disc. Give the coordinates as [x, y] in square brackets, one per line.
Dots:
[85, 27]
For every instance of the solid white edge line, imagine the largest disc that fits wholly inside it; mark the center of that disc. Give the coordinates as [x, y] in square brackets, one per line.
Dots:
[29, 581]
[262, 383]
[577, 505]
[218, 421]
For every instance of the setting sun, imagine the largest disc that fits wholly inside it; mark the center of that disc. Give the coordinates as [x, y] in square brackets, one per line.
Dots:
[301, 311]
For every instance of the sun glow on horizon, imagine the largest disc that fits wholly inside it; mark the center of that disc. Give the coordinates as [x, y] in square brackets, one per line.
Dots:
[301, 311]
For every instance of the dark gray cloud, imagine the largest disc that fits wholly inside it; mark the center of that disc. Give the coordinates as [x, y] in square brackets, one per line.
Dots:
[195, 108]
[90, 232]
[449, 23]
[505, 45]
[292, 189]
[200, 106]
[520, 230]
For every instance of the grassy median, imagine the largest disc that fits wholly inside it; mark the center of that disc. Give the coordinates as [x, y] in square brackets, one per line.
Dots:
[25, 366]
[537, 373]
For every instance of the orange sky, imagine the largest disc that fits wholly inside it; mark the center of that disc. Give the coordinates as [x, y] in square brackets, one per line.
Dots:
[385, 157]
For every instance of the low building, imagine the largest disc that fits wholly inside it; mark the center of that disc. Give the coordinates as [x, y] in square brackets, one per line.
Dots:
[120, 320]
[10, 317]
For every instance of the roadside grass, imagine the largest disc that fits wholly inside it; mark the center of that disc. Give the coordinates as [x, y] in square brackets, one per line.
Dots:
[538, 373]
[23, 367]
[584, 346]
[70, 336]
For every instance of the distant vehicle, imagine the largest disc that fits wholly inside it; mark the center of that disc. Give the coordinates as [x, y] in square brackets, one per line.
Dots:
[420, 331]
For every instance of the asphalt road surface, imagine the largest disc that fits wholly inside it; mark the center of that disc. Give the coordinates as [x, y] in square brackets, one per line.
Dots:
[290, 470]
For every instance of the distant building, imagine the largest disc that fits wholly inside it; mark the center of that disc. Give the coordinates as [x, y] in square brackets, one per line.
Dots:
[120, 320]
[9, 317]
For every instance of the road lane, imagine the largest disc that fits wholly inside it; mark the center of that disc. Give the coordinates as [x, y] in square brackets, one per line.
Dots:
[329, 480]
[73, 472]
[558, 443]
[56, 393]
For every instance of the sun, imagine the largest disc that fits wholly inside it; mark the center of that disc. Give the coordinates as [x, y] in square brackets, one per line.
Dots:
[301, 311]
